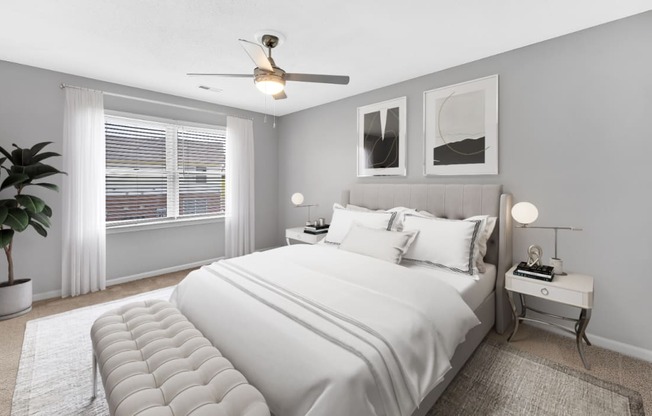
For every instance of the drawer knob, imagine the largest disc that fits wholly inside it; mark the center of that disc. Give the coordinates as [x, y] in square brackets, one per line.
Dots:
[544, 291]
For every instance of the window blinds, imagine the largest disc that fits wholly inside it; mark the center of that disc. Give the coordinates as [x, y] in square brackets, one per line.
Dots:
[162, 171]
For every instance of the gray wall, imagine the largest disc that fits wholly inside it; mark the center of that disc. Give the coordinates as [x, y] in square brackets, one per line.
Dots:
[31, 110]
[575, 122]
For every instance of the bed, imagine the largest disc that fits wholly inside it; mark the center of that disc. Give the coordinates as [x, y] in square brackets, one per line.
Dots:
[322, 331]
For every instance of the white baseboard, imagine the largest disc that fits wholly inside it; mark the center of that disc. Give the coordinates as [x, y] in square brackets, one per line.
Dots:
[46, 295]
[118, 280]
[606, 343]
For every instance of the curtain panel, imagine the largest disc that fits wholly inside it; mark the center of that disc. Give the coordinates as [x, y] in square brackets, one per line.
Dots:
[240, 224]
[84, 229]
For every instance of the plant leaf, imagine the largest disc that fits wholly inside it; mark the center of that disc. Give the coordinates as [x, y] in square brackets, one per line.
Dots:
[17, 219]
[38, 146]
[2, 160]
[5, 237]
[9, 203]
[47, 211]
[42, 156]
[38, 216]
[13, 180]
[3, 213]
[41, 171]
[22, 157]
[7, 154]
[31, 203]
[39, 228]
[50, 186]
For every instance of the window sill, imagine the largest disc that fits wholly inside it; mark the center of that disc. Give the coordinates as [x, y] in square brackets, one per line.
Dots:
[127, 228]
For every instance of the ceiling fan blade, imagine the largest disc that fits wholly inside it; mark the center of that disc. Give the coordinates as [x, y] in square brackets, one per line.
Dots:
[326, 79]
[257, 54]
[197, 74]
[280, 96]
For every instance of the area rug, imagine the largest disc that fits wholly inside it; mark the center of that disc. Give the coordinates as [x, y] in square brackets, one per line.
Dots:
[54, 373]
[501, 380]
[54, 377]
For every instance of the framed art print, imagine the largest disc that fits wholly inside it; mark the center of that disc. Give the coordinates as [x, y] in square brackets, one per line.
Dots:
[461, 128]
[381, 138]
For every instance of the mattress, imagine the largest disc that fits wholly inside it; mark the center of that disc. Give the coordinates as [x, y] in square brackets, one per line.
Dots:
[473, 292]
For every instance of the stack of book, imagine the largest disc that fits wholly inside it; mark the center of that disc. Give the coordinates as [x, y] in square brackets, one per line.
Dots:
[545, 273]
[316, 229]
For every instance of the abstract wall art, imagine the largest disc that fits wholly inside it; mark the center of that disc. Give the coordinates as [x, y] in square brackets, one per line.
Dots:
[381, 138]
[461, 128]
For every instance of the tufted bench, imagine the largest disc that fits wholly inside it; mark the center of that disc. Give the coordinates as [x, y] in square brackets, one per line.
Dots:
[153, 361]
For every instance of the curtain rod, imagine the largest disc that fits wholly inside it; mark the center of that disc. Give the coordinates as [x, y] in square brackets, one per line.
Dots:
[147, 100]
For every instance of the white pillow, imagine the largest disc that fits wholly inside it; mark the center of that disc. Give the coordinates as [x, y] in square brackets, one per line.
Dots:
[444, 243]
[344, 218]
[401, 212]
[487, 225]
[381, 244]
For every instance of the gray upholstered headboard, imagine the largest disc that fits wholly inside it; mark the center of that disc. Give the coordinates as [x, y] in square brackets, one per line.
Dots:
[455, 201]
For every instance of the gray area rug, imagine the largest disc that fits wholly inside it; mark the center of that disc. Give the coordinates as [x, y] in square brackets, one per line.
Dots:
[54, 377]
[501, 380]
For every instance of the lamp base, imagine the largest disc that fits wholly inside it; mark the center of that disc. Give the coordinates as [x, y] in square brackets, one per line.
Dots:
[558, 265]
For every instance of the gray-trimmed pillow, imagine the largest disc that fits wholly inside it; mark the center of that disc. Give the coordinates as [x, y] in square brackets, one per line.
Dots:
[450, 244]
[381, 244]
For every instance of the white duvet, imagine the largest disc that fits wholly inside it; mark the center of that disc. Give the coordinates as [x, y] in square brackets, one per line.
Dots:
[326, 332]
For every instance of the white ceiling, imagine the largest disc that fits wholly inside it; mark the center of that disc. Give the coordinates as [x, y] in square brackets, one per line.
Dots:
[151, 44]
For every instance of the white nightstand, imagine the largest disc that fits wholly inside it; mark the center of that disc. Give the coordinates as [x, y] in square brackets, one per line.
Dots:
[573, 289]
[297, 234]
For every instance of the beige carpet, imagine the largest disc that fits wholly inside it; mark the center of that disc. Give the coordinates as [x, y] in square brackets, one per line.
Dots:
[606, 365]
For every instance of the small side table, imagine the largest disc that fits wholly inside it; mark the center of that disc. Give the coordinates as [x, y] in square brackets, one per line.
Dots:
[573, 289]
[297, 234]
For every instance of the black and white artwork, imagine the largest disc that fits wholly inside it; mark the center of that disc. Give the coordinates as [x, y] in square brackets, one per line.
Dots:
[381, 138]
[461, 128]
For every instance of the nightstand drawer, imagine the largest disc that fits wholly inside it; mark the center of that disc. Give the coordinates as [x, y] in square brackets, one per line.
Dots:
[297, 234]
[544, 291]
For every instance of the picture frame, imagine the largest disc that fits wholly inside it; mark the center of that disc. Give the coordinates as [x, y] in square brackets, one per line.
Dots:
[382, 138]
[460, 128]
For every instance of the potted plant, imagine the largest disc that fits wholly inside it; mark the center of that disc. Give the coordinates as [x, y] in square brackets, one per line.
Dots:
[25, 168]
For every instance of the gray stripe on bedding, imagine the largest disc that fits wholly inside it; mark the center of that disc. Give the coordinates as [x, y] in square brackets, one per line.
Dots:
[293, 296]
[306, 325]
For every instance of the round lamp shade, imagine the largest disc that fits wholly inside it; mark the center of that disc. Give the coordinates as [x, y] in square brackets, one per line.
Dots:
[525, 212]
[297, 198]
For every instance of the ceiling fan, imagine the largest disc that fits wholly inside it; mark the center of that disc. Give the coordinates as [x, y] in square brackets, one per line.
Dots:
[269, 78]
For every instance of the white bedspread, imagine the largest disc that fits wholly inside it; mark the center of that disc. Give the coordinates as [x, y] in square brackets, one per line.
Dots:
[326, 332]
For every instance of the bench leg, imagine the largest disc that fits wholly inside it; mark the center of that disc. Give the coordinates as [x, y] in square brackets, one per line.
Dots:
[94, 377]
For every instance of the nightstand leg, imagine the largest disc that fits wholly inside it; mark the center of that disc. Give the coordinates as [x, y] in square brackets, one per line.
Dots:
[585, 317]
[287, 241]
[510, 297]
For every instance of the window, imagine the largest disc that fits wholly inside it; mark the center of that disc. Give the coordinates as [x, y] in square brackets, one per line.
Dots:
[158, 171]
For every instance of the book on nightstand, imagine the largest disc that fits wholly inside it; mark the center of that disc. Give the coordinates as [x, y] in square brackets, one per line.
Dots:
[316, 230]
[540, 272]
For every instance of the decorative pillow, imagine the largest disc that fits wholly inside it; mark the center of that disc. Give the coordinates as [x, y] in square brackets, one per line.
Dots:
[381, 244]
[487, 225]
[444, 243]
[344, 218]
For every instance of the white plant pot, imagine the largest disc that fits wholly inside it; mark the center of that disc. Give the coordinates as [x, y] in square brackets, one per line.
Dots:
[15, 300]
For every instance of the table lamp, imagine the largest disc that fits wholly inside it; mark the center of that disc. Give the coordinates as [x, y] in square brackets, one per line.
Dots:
[297, 199]
[525, 213]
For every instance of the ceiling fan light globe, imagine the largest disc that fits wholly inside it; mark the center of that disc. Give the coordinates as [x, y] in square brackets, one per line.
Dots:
[270, 85]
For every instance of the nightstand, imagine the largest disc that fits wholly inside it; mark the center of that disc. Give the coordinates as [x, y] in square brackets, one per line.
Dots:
[572, 289]
[297, 234]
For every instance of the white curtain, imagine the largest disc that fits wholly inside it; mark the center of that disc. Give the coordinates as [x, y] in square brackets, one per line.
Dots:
[84, 231]
[240, 227]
